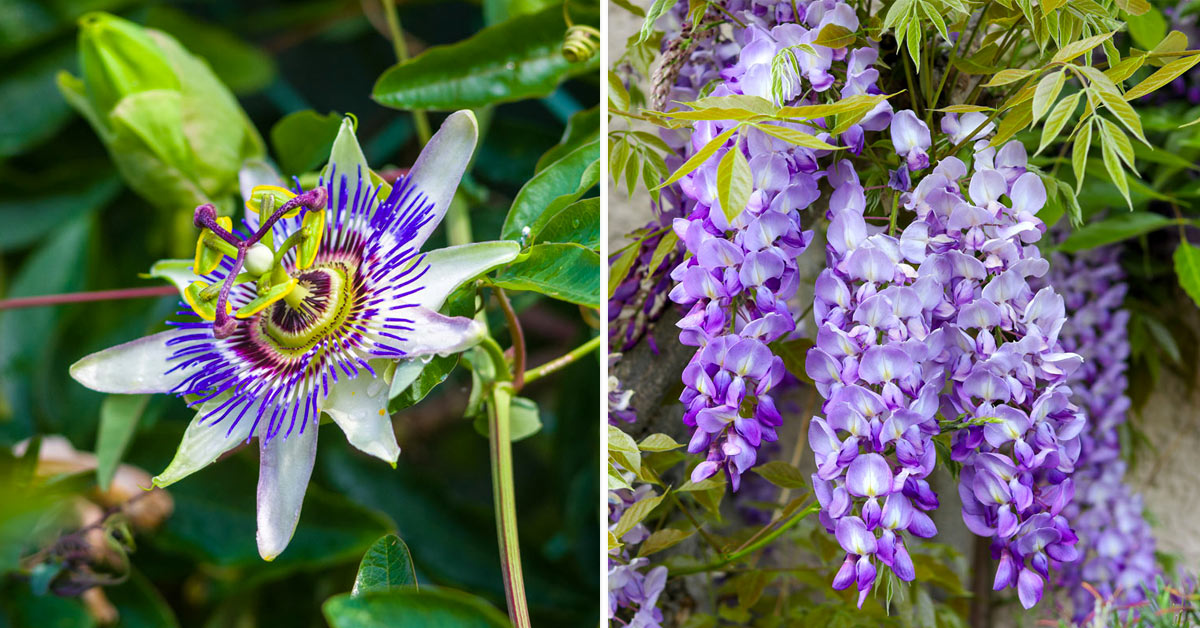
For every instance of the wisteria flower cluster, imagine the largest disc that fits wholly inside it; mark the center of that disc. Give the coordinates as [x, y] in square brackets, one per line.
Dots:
[946, 302]
[742, 269]
[1116, 543]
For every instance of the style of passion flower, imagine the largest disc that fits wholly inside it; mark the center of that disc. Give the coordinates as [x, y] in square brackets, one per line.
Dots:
[307, 310]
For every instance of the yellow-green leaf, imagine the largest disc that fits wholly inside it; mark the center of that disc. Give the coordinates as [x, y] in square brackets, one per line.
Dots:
[634, 514]
[1058, 118]
[735, 183]
[1079, 151]
[834, 36]
[1163, 76]
[700, 157]
[799, 138]
[1046, 93]
[1076, 48]
[1004, 77]
[1187, 267]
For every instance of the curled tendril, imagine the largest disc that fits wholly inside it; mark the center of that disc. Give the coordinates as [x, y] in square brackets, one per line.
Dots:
[581, 43]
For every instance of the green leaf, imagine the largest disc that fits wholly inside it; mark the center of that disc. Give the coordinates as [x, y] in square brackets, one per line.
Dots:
[700, 157]
[578, 222]
[623, 449]
[735, 183]
[387, 565]
[635, 513]
[27, 218]
[1079, 152]
[1163, 76]
[662, 539]
[1004, 77]
[781, 474]
[139, 604]
[1187, 267]
[1112, 163]
[658, 442]
[619, 270]
[302, 140]
[427, 608]
[514, 60]
[656, 11]
[1147, 29]
[793, 136]
[668, 243]
[1076, 48]
[523, 417]
[554, 187]
[1058, 118]
[567, 272]
[583, 127]
[1046, 93]
[1119, 227]
[834, 36]
[33, 110]
[119, 416]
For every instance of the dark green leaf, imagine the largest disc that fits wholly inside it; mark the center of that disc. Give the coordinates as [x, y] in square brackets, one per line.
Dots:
[140, 605]
[517, 59]
[33, 109]
[387, 565]
[1122, 226]
[568, 272]
[119, 416]
[583, 127]
[27, 218]
[578, 222]
[1187, 267]
[550, 187]
[428, 608]
[781, 474]
[302, 140]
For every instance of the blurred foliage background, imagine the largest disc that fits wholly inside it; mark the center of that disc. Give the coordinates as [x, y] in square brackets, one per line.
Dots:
[69, 223]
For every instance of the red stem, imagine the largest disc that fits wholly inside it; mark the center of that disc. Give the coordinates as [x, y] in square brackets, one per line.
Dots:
[80, 297]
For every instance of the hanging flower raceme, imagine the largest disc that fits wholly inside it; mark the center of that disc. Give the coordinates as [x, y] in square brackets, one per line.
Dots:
[742, 269]
[320, 303]
[632, 588]
[873, 362]
[1115, 541]
[1018, 432]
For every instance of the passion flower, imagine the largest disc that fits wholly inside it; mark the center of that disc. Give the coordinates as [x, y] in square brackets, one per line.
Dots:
[323, 323]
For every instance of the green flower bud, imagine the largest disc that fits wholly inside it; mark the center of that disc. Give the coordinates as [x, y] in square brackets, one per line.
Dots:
[175, 132]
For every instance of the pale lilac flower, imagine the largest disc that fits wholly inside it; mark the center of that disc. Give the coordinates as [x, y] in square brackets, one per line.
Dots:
[361, 319]
[910, 138]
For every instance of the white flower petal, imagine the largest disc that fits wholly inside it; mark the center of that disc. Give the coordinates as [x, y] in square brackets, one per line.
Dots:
[359, 407]
[203, 444]
[285, 465]
[450, 267]
[136, 367]
[438, 334]
[441, 165]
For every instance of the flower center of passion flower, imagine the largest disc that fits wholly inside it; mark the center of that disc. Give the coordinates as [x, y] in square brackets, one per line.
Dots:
[320, 302]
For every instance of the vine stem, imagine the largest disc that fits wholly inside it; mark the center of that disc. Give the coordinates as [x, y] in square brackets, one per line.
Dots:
[562, 360]
[765, 540]
[518, 338]
[503, 491]
[82, 297]
[393, 21]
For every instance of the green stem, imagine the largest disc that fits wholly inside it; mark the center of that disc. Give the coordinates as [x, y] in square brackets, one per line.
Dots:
[765, 540]
[562, 360]
[393, 22]
[458, 222]
[504, 496]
